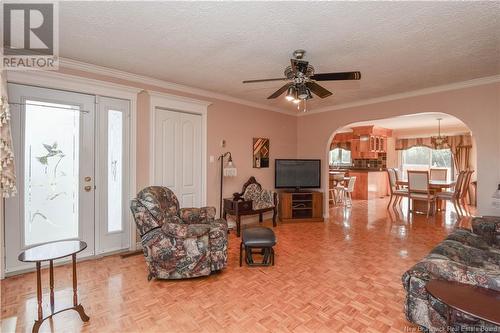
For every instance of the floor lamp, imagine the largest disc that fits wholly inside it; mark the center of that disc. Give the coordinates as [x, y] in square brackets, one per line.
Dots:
[228, 171]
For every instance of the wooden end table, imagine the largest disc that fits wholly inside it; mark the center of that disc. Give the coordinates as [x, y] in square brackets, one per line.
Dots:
[239, 208]
[50, 252]
[478, 302]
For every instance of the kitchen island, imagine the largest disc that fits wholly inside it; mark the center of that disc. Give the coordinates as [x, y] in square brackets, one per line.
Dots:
[370, 183]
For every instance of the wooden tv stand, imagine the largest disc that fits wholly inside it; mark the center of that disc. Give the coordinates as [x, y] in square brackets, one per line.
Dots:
[302, 206]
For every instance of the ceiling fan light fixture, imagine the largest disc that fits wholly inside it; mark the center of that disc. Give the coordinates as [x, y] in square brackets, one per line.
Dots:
[309, 94]
[290, 93]
[302, 81]
[302, 92]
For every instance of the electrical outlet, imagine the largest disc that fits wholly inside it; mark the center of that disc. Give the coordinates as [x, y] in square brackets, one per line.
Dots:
[212, 159]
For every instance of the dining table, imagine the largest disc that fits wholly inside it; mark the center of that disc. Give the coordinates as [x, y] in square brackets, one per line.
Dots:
[435, 186]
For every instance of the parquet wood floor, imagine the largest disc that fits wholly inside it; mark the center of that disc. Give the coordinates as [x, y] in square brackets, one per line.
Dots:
[339, 276]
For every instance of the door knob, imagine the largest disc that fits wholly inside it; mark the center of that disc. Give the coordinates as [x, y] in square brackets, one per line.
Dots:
[87, 188]
[88, 178]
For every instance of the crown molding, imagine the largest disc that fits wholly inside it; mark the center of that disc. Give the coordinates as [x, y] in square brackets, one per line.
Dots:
[182, 99]
[413, 93]
[118, 74]
[56, 80]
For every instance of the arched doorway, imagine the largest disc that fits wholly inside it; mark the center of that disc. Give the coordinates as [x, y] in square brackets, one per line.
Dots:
[366, 149]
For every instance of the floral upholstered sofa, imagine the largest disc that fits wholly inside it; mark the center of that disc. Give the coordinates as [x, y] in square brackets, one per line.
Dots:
[465, 257]
[178, 242]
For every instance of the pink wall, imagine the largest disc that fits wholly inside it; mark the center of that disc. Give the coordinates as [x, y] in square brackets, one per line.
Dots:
[478, 107]
[237, 124]
[308, 136]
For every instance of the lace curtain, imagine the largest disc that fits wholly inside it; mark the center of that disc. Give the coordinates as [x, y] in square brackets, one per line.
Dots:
[7, 167]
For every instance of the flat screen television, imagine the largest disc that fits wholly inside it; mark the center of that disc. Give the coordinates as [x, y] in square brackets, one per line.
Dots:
[297, 174]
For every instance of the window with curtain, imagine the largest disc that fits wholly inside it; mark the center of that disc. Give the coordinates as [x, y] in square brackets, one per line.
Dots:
[340, 157]
[425, 158]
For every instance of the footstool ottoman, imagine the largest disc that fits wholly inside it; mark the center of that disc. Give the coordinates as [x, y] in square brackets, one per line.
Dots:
[259, 238]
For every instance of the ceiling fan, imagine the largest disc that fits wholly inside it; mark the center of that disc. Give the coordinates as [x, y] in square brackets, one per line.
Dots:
[302, 80]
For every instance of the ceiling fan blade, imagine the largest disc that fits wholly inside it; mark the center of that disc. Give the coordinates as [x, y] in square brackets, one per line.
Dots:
[318, 90]
[265, 80]
[280, 91]
[336, 76]
[299, 65]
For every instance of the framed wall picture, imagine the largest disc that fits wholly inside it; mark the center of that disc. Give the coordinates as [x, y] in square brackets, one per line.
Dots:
[260, 153]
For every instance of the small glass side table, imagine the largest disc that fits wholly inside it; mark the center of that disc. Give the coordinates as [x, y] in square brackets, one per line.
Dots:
[50, 252]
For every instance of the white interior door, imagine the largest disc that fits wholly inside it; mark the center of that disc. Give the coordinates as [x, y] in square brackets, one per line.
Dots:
[53, 137]
[113, 231]
[177, 159]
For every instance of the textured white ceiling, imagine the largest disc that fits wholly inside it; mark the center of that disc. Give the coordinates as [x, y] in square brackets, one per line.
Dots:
[426, 121]
[398, 46]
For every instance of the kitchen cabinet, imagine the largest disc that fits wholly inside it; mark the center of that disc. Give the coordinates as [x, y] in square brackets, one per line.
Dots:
[366, 142]
[372, 140]
[378, 144]
[355, 152]
[361, 149]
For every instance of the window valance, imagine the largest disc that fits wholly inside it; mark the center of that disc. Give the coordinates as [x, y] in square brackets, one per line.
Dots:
[340, 144]
[454, 142]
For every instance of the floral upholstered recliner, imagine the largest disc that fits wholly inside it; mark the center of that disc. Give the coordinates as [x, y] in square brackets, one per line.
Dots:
[465, 257]
[178, 243]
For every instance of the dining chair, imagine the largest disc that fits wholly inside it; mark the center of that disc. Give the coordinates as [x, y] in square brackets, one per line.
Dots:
[347, 191]
[418, 189]
[337, 186]
[465, 190]
[454, 195]
[396, 192]
[397, 173]
[438, 174]
[332, 195]
[331, 190]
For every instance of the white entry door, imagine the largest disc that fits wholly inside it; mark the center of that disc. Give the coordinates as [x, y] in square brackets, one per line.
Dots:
[112, 172]
[72, 164]
[53, 137]
[177, 160]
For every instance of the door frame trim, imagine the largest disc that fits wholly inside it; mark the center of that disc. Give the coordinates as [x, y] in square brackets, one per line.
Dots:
[78, 84]
[179, 104]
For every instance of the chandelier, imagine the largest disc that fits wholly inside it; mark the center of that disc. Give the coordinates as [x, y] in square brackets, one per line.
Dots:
[439, 142]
